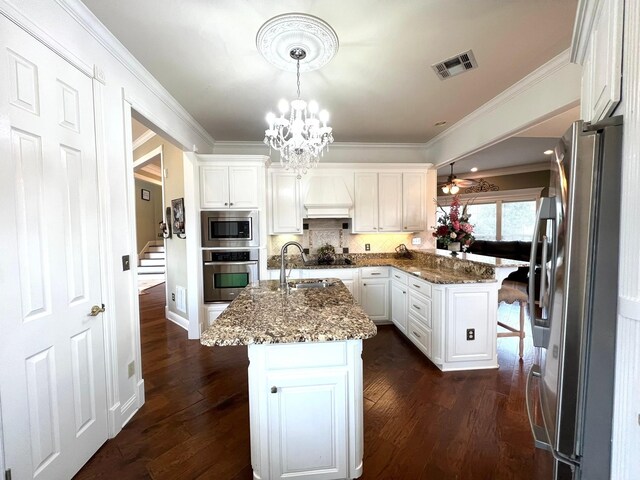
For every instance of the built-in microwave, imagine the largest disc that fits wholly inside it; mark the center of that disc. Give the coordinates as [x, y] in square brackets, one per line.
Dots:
[230, 229]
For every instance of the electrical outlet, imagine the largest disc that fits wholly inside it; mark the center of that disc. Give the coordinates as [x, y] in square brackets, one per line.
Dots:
[173, 297]
[367, 247]
[416, 241]
[132, 369]
[471, 334]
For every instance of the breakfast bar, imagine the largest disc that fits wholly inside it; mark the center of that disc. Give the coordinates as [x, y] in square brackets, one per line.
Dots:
[305, 375]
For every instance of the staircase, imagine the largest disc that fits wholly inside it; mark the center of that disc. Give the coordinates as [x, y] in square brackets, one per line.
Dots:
[151, 262]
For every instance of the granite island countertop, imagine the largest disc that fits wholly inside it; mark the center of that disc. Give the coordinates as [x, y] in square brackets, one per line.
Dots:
[434, 266]
[263, 313]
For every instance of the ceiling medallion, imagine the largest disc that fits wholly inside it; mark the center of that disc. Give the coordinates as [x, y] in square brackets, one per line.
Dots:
[304, 136]
[281, 34]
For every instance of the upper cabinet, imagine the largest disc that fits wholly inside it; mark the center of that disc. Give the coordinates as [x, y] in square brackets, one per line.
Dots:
[597, 45]
[286, 215]
[389, 202]
[234, 187]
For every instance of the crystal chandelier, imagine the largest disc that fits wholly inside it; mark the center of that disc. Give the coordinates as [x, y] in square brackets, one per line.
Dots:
[303, 137]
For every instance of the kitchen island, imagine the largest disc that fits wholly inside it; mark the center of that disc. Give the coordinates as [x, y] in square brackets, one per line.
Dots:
[305, 376]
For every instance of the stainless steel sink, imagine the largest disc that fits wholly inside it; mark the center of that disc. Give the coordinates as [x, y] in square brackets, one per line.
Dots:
[315, 284]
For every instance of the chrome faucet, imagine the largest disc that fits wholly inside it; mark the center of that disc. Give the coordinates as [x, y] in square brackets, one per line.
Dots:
[283, 266]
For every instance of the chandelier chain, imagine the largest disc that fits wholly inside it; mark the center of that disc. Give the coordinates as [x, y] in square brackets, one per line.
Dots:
[298, 77]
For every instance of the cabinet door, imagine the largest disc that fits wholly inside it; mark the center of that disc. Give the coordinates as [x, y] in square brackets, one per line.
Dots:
[365, 209]
[214, 187]
[285, 203]
[414, 198]
[374, 298]
[243, 187]
[389, 202]
[308, 425]
[399, 305]
[471, 310]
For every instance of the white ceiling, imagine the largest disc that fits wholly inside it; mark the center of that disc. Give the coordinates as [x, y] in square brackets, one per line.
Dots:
[380, 86]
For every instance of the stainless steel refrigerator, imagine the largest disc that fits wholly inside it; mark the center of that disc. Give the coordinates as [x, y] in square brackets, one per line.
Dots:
[574, 322]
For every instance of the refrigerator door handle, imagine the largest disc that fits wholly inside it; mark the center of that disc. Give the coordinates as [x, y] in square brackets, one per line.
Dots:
[539, 329]
[539, 433]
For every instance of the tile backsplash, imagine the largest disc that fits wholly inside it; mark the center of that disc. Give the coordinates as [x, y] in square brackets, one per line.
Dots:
[319, 231]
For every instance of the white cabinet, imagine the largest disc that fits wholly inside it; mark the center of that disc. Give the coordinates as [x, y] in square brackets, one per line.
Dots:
[414, 200]
[286, 216]
[378, 202]
[399, 305]
[305, 409]
[213, 311]
[233, 187]
[390, 202]
[374, 293]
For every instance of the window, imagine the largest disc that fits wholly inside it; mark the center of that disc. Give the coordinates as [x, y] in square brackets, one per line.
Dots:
[507, 215]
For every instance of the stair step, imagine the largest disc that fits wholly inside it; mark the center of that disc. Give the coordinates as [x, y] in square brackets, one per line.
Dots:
[152, 262]
[154, 255]
[157, 243]
[145, 270]
[155, 248]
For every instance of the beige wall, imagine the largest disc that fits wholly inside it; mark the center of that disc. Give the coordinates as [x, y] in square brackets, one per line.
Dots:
[517, 181]
[148, 213]
[176, 249]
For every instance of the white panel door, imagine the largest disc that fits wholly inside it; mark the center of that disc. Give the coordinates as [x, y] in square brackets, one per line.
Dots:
[470, 308]
[308, 425]
[414, 199]
[389, 202]
[52, 371]
[285, 203]
[374, 298]
[214, 187]
[243, 187]
[399, 305]
[365, 213]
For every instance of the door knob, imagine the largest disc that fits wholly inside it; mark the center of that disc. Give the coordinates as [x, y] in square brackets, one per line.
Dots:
[95, 310]
[274, 389]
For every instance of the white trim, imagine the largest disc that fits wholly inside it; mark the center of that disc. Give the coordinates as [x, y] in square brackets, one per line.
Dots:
[144, 178]
[140, 388]
[142, 139]
[148, 157]
[86, 19]
[522, 194]
[129, 409]
[582, 29]
[366, 167]
[260, 160]
[335, 145]
[498, 172]
[12, 13]
[518, 88]
[177, 319]
[193, 254]
[629, 308]
[2, 461]
[114, 419]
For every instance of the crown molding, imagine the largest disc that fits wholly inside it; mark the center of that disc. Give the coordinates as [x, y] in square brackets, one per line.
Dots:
[142, 139]
[334, 145]
[87, 20]
[554, 65]
[497, 172]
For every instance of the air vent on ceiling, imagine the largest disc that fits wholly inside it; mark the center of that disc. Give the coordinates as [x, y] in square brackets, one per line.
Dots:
[455, 65]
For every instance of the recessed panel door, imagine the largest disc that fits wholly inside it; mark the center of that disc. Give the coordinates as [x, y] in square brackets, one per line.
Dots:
[52, 371]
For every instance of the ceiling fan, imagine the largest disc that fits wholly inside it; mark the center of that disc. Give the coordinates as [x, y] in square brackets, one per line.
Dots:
[453, 183]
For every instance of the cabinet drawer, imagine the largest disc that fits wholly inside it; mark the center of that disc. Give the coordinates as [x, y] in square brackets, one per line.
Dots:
[398, 276]
[420, 308]
[420, 286]
[374, 272]
[420, 336]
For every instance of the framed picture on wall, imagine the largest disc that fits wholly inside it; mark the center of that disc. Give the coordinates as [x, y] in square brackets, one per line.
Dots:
[177, 206]
[145, 195]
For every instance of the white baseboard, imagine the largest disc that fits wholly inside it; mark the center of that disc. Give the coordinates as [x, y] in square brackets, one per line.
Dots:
[177, 319]
[114, 417]
[141, 396]
[129, 409]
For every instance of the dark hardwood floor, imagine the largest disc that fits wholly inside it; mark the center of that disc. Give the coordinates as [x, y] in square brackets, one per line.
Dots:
[420, 423]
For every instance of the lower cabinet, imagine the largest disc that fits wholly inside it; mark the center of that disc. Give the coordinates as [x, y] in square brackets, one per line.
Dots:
[454, 325]
[374, 298]
[305, 406]
[213, 311]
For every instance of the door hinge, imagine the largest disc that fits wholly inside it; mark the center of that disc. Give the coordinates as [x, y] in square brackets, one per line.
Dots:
[7, 474]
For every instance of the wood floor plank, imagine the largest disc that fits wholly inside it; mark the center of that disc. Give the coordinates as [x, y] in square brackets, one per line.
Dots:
[420, 423]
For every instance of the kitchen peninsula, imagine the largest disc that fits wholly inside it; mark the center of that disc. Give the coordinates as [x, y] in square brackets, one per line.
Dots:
[305, 376]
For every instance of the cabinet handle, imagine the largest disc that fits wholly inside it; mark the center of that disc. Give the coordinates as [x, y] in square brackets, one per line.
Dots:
[404, 292]
[416, 307]
[231, 204]
[417, 286]
[405, 228]
[225, 204]
[364, 284]
[416, 334]
[274, 389]
[381, 228]
[375, 273]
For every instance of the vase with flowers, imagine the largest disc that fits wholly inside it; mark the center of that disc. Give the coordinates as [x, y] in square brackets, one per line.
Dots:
[454, 227]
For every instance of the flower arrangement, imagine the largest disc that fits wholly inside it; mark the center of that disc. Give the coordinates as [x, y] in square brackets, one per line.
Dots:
[454, 226]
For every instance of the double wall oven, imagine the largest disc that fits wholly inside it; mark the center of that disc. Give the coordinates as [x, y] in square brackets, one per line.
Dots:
[230, 254]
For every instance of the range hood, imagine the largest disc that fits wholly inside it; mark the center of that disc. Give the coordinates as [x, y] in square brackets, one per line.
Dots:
[327, 197]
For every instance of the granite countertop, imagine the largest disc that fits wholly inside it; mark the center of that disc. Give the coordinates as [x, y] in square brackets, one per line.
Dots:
[435, 266]
[263, 313]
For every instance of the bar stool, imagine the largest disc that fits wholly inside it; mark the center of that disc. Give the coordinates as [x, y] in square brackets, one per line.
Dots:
[511, 293]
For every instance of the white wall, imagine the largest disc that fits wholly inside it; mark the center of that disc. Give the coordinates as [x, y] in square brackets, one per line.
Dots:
[148, 213]
[66, 26]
